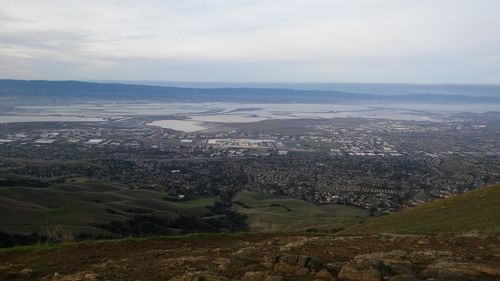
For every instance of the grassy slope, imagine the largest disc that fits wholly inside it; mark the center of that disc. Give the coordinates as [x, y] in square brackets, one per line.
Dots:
[78, 205]
[271, 213]
[476, 210]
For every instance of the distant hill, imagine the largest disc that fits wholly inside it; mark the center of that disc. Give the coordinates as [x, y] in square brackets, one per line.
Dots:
[477, 210]
[76, 90]
[82, 208]
[99, 209]
[389, 89]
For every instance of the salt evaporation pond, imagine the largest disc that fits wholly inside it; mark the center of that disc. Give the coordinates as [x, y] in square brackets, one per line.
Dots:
[179, 125]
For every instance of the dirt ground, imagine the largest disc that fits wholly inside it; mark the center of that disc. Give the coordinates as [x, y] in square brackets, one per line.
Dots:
[230, 257]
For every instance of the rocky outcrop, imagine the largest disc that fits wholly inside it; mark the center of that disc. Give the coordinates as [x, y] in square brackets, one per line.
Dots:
[361, 271]
[295, 258]
[375, 266]
[457, 270]
[199, 276]
[294, 264]
[261, 276]
[404, 277]
[81, 276]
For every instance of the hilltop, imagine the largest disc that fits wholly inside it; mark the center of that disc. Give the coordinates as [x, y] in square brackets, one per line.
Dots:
[443, 254]
[259, 257]
[474, 211]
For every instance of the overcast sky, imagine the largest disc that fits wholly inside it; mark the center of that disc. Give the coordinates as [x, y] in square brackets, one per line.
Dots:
[424, 41]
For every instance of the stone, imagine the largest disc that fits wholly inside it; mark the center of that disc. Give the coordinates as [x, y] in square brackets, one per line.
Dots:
[363, 268]
[375, 266]
[254, 275]
[273, 278]
[335, 267]
[68, 277]
[222, 263]
[431, 254]
[28, 272]
[351, 273]
[199, 276]
[246, 251]
[92, 277]
[456, 270]
[324, 275]
[79, 276]
[261, 276]
[294, 264]
[396, 257]
[404, 277]
[397, 269]
[270, 261]
[182, 261]
[422, 241]
[293, 269]
[315, 264]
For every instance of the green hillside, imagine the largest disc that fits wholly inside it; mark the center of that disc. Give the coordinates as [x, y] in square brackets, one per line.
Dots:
[478, 210]
[81, 208]
[271, 213]
[85, 206]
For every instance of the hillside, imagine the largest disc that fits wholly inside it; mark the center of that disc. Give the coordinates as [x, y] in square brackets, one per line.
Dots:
[275, 213]
[259, 257]
[478, 210]
[269, 255]
[83, 208]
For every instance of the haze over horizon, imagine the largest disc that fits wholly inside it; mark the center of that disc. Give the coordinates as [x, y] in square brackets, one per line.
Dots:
[375, 41]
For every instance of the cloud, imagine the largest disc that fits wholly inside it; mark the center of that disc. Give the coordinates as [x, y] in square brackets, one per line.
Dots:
[7, 18]
[250, 40]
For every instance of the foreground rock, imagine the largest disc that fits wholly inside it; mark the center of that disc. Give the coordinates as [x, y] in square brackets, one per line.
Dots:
[299, 265]
[261, 276]
[376, 266]
[455, 270]
[199, 276]
[264, 258]
[82, 276]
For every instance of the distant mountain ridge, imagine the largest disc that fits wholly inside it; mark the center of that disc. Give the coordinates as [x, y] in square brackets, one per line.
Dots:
[92, 90]
[388, 89]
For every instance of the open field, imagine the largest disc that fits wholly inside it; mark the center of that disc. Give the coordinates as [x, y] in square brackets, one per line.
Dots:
[273, 213]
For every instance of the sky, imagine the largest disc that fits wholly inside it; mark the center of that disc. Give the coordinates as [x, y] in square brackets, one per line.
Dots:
[394, 41]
